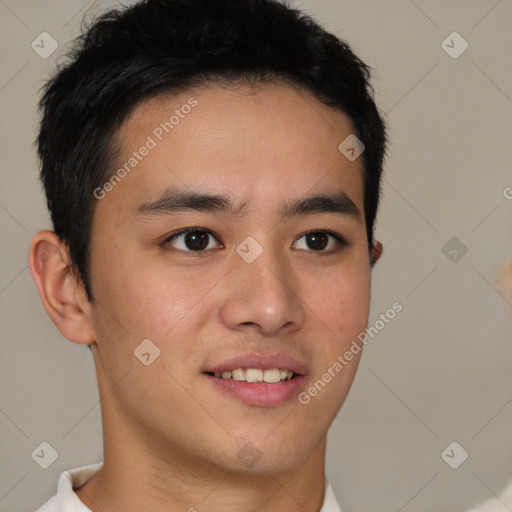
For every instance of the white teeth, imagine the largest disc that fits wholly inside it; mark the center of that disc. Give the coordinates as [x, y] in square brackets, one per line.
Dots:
[238, 374]
[272, 376]
[269, 376]
[253, 375]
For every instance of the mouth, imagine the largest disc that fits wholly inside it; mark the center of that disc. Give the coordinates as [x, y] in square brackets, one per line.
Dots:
[257, 387]
[258, 379]
[255, 375]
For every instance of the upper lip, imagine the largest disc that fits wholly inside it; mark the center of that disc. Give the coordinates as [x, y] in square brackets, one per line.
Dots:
[264, 361]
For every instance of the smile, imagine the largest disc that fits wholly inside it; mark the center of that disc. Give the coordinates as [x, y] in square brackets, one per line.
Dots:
[269, 376]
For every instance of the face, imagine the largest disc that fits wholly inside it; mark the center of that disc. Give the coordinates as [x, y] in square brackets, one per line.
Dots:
[261, 280]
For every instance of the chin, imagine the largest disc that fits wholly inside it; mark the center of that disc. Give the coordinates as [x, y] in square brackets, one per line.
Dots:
[273, 453]
[265, 464]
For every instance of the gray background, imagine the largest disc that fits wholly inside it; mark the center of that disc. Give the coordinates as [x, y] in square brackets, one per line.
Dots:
[439, 372]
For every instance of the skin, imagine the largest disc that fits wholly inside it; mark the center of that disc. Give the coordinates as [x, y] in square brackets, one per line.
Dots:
[170, 437]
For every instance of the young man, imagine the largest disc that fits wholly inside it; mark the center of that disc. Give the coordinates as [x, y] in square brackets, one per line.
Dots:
[212, 170]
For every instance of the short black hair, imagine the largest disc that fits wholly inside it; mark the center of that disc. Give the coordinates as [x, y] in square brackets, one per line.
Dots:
[155, 47]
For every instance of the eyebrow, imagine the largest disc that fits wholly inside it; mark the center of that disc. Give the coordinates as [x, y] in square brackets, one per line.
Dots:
[174, 201]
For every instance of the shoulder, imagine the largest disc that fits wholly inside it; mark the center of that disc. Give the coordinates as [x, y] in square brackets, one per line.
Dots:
[66, 499]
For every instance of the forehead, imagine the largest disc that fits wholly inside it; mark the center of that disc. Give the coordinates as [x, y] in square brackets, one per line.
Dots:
[256, 144]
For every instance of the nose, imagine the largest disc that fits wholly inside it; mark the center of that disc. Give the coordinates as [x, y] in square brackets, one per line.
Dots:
[263, 296]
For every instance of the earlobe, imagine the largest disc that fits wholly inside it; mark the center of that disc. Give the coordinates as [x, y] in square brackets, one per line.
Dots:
[62, 296]
[376, 252]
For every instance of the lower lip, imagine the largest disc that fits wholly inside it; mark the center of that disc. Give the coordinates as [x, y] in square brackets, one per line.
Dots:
[260, 393]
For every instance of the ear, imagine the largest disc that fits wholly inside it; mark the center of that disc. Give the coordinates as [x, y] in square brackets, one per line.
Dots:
[63, 298]
[375, 252]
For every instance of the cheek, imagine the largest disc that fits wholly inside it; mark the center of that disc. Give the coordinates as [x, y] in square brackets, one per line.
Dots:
[137, 305]
[344, 303]
[344, 308]
[148, 301]
[356, 304]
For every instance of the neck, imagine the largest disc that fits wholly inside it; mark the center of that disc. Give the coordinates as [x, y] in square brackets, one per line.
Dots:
[142, 471]
[142, 479]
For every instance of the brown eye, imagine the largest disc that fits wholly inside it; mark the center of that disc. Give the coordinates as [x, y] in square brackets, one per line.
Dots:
[318, 241]
[190, 240]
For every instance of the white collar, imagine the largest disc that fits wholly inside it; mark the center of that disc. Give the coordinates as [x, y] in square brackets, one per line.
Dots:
[66, 499]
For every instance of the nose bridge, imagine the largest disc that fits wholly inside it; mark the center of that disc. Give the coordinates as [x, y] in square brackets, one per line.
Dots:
[261, 289]
[269, 273]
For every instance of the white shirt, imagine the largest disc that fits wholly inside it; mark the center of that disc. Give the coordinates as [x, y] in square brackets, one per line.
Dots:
[67, 501]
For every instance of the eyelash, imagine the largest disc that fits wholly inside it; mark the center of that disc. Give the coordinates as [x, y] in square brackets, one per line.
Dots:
[341, 241]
